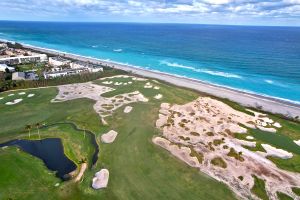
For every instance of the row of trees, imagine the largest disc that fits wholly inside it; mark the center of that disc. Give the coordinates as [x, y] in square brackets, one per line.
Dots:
[78, 78]
[29, 127]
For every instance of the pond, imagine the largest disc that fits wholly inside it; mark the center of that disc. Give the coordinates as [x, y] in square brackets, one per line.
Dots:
[50, 151]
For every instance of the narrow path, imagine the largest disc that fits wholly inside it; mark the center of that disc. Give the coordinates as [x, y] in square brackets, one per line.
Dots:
[81, 172]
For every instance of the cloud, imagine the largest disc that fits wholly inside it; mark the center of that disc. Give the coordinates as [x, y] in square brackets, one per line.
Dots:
[284, 9]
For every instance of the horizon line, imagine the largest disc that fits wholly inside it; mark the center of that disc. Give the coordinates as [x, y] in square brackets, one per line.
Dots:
[137, 22]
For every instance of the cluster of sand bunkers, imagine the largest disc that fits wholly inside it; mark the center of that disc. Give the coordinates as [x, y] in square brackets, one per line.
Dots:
[105, 106]
[200, 133]
[19, 99]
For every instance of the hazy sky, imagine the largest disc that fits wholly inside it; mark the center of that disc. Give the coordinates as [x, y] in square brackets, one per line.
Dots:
[254, 12]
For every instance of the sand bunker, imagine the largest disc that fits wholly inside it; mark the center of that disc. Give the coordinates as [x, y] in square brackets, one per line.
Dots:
[297, 142]
[182, 153]
[158, 96]
[109, 137]
[1, 98]
[201, 133]
[118, 83]
[108, 82]
[250, 138]
[106, 106]
[22, 93]
[246, 143]
[277, 125]
[128, 109]
[30, 95]
[156, 88]
[11, 95]
[148, 85]
[274, 152]
[14, 102]
[101, 179]
[103, 106]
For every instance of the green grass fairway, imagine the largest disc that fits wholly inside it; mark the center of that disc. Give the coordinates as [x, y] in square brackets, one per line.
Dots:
[138, 168]
[25, 177]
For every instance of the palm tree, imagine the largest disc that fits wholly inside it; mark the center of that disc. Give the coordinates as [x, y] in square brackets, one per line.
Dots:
[28, 127]
[38, 125]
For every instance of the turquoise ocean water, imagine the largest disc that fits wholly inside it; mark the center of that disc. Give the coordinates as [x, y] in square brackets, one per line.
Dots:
[262, 60]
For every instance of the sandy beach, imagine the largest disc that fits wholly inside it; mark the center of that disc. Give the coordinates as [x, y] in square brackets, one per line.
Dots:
[266, 103]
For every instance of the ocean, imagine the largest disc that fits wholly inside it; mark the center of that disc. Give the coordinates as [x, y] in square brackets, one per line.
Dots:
[261, 60]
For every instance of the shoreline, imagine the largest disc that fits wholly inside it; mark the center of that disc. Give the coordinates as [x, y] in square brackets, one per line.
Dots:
[269, 104]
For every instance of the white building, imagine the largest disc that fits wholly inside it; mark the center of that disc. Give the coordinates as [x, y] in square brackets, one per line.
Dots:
[31, 76]
[84, 65]
[16, 76]
[23, 59]
[67, 72]
[3, 68]
[3, 45]
[58, 61]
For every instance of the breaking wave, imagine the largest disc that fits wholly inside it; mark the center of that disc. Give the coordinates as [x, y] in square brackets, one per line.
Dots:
[271, 82]
[214, 73]
[118, 50]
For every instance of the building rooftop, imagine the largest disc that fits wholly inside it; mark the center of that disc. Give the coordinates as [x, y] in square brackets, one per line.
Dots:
[58, 58]
[86, 64]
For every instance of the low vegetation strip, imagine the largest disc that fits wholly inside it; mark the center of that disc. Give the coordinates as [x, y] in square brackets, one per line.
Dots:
[78, 78]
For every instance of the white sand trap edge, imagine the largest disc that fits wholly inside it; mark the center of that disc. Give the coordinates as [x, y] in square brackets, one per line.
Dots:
[14, 102]
[250, 137]
[128, 109]
[22, 93]
[279, 153]
[148, 85]
[246, 143]
[109, 137]
[1, 98]
[11, 95]
[297, 142]
[107, 82]
[30, 95]
[277, 125]
[158, 96]
[101, 179]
